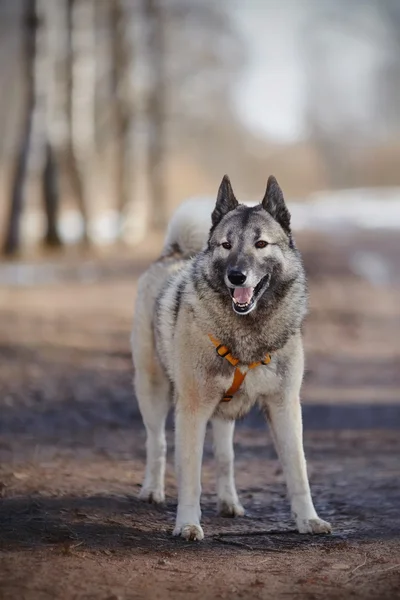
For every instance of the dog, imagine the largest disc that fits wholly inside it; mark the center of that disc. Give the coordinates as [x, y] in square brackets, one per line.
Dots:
[217, 329]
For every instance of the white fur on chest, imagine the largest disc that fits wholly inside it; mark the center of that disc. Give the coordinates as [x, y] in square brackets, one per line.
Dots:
[260, 381]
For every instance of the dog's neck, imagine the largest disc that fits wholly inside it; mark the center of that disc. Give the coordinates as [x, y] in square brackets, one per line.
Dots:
[250, 337]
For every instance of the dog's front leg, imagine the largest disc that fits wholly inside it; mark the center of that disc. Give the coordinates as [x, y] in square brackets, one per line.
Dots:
[287, 430]
[190, 428]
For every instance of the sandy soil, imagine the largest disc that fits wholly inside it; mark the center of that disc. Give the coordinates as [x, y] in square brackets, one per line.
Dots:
[72, 452]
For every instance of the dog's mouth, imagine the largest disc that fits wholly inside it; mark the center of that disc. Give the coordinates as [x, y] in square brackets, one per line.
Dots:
[244, 299]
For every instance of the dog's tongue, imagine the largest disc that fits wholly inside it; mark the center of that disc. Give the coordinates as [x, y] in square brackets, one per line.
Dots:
[243, 295]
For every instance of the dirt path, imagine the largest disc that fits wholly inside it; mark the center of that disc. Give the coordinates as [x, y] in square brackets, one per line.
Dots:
[71, 526]
[72, 456]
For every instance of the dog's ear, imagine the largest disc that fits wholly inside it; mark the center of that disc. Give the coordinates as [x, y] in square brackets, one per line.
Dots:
[274, 203]
[226, 201]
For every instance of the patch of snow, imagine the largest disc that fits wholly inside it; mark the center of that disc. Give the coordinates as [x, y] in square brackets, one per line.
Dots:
[106, 228]
[370, 208]
[71, 226]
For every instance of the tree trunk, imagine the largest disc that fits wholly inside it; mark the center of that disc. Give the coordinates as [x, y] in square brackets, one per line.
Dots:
[81, 89]
[12, 238]
[133, 144]
[122, 56]
[51, 198]
[156, 112]
[43, 159]
[54, 41]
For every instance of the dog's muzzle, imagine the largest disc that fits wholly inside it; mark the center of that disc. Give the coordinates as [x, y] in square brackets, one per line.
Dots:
[244, 299]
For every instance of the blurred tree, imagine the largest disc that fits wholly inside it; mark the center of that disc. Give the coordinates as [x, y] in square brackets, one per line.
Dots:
[46, 151]
[81, 103]
[326, 124]
[123, 100]
[12, 239]
[204, 55]
[347, 116]
[81, 89]
[389, 84]
[185, 60]
[334, 129]
[140, 54]
[36, 152]
[172, 66]
[155, 22]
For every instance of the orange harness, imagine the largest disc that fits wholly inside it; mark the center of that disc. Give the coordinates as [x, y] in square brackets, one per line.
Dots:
[239, 376]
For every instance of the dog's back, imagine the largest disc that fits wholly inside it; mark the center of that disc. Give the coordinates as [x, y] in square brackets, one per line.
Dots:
[186, 235]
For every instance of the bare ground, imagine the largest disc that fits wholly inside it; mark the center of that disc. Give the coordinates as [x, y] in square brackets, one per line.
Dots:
[72, 451]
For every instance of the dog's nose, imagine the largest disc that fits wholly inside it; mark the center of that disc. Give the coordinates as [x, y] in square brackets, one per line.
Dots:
[236, 277]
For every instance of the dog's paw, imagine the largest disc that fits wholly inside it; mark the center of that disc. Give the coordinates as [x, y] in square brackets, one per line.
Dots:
[230, 508]
[153, 496]
[189, 532]
[313, 526]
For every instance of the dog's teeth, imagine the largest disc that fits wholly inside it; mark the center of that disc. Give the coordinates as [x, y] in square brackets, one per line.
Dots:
[240, 304]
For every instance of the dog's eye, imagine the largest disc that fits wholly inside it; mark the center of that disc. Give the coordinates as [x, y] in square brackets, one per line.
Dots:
[261, 244]
[226, 245]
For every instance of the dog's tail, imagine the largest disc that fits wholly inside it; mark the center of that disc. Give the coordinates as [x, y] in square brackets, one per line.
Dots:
[189, 227]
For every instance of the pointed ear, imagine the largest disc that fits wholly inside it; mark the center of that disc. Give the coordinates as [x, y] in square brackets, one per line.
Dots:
[226, 201]
[274, 203]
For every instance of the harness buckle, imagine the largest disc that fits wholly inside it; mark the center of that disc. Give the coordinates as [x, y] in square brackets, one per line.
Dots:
[219, 354]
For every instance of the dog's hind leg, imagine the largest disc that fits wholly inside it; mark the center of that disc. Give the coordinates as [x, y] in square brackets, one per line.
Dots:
[154, 403]
[228, 501]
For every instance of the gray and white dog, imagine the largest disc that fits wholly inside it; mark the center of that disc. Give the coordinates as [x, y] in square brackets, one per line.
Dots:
[217, 328]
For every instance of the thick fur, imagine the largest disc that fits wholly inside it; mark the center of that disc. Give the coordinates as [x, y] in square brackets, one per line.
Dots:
[185, 296]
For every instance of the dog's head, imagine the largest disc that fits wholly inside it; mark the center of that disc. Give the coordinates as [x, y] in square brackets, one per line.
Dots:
[252, 248]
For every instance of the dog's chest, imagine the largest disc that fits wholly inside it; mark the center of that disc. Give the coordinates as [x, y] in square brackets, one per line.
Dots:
[260, 381]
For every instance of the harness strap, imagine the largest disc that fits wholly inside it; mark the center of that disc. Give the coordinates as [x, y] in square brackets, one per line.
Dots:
[239, 376]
